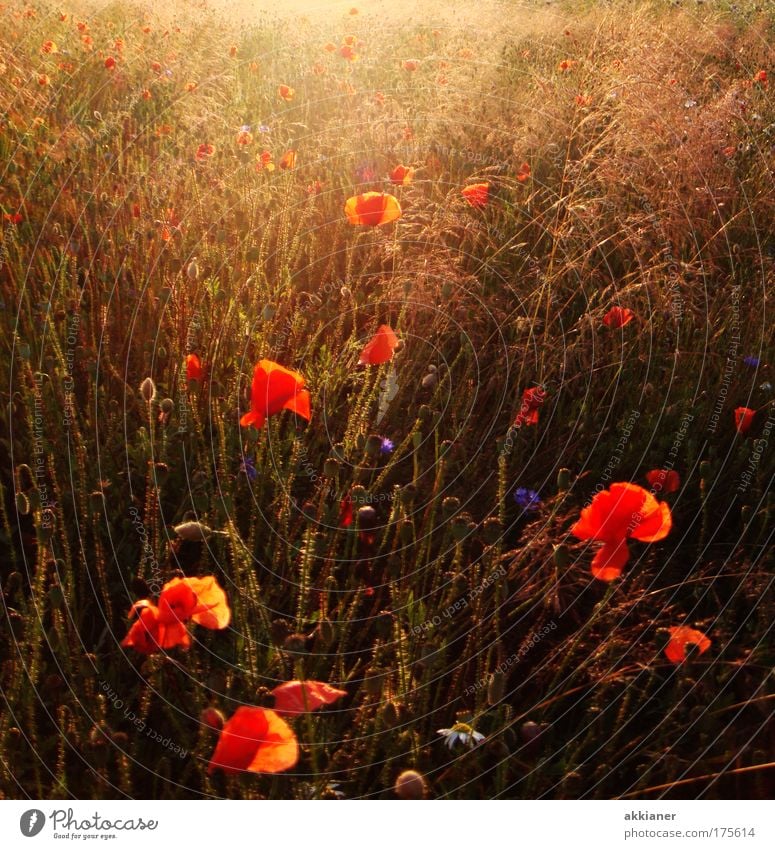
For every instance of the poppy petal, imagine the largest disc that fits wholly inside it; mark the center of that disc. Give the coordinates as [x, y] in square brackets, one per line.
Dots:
[381, 347]
[608, 563]
[654, 526]
[300, 404]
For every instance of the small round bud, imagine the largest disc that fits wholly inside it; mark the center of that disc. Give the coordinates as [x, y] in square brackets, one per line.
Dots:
[212, 718]
[411, 785]
[147, 390]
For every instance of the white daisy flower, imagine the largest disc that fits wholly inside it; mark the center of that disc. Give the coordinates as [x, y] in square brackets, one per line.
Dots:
[463, 733]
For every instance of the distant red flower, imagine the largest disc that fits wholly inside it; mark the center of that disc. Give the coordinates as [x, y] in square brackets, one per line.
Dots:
[349, 40]
[255, 740]
[296, 697]
[353, 11]
[233, 51]
[275, 388]
[410, 64]
[49, 47]
[401, 175]
[760, 77]
[617, 317]
[264, 161]
[346, 511]
[381, 347]
[625, 511]
[477, 194]
[13, 217]
[285, 92]
[348, 52]
[744, 417]
[205, 151]
[524, 172]
[682, 636]
[43, 79]
[193, 367]
[110, 63]
[372, 209]
[566, 65]
[329, 47]
[664, 480]
[244, 138]
[156, 67]
[315, 187]
[532, 399]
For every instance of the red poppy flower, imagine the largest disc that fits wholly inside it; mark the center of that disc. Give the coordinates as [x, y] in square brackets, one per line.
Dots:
[625, 511]
[744, 417]
[531, 401]
[760, 77]
[664, 480]
[349, 40]
[329, 47]
[566, 65]
[295, 697]
[682, 636]
[410, 65]
[617, 317]
[372, 209]
[44, 79]
[381, 347]
[244, 138]
[156, 67]
[287, 160]
[13, 217]
[315, 187]
[524, 172]
[193, 367]
[200, 600]
[110, 63]
[264, 161]
[204, 151]
[275, 388]
[149, 634]
[477, 194]
[401, 175]
[255, 740]
[286, 92]
[348, 52]
[49, 47]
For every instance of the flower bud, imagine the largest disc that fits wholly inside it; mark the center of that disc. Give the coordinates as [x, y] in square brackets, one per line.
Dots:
[411, 785]
[212, 718]
[147, 390]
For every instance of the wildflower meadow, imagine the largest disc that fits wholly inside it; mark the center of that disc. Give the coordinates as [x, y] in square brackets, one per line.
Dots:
[387, 400]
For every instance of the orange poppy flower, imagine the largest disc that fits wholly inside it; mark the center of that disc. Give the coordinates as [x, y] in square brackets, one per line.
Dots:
[49, 47]
[477, 194]
[353, 11]
[760, 77]
[146, 94]
[286, 92]
[264, 161]
[744, 417]
[410, 65]
[82, 26]
[524, 172]
[296, 697]
[625, 511]
[193, 367]
[191, 86]
[664, 480]
[44, 79]
[255, 740]
[531, 400]
[287, 160]
[204, 151]
[149, 634]
[233, 51]
[244, 138]
[381, 347]
[583, 100]
[349, 40]
[401, 175]
[566, 65]
[681, 637]
[348, 52]
[315, 188]
[200, 600]
[156, 67]
[372, 209]
[617, 317]
[275, 388]
[110, 63]
[329, 47]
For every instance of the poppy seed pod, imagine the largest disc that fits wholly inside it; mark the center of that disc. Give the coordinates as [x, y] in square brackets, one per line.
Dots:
[563, 480]
[367, 515]
[411, 785]
[147, 390]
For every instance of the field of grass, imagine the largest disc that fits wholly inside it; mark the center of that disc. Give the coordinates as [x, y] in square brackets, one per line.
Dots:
[411, 543]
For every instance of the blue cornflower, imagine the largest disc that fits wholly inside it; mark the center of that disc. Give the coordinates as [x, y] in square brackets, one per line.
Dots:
[262, 128]
[245, 128]
[527, 499]
[248, 466]
[386, 445]
[753, 362]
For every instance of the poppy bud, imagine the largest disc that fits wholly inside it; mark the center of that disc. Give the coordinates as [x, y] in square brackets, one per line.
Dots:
[337, 452]
[450, 506]
[445, 447]
[367, 515]
[429, 381]
[147, 390]
[705, 470]
[167, 406]
[22, 504]
[406, 531]
[424, 413]
[212, 718]
[411, 785]
[280, 629]
[96, 501]
[390, 714]
[359, 495]
[295, 643]
[373, 445]
[192, 531]
[492, 530]
[563, 480]
[530, 731]
[192, 272]
[331, 467]
[460, 527]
